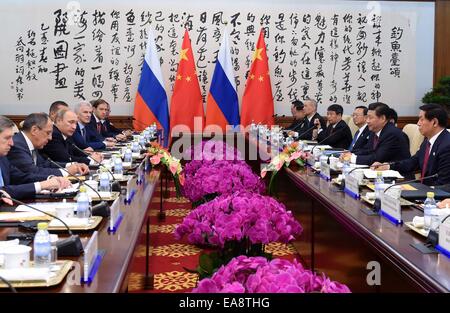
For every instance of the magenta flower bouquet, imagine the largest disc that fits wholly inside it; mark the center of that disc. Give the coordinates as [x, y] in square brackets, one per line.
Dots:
[259, 275]
[241, 216]
[209, 152]
[221, 178]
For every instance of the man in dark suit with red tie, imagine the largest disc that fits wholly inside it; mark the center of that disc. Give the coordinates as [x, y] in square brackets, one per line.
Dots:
[386, 143]
[434, 153]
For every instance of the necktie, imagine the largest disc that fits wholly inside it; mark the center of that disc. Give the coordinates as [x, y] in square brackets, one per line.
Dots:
[425, 161]
[83, 133]
[354, 140]
[34, 156]
[375, 142]
[99, 127]
[2, 183]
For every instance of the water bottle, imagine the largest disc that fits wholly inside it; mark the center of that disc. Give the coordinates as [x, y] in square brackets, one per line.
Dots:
[128, 155]
[83, 204]
[42, 246]
[135, 148]
[323, 159]
[118, 168]
[429, 206]
[345, 169]
[105, 183]
[142, 141]
[379, 189]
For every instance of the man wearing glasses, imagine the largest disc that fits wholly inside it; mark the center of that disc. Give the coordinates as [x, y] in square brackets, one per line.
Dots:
[361, 136]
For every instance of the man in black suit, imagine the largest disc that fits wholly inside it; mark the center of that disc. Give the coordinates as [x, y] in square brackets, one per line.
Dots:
[433, 156]
[101, 124]
[337, 134]
[61, 147]
[310, 109]
[298, 125]
[386, 143]
[13, 181]
[361, 137]
[55, 107]
[36, 132]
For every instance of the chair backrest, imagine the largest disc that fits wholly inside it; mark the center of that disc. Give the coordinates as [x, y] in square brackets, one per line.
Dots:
[352, 125]
[415, 137]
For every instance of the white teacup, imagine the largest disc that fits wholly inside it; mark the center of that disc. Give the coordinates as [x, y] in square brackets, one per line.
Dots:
[65, 210]
[92, 183]
[15, 257]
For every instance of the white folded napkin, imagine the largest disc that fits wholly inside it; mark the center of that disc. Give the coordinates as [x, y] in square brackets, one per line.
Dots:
[370, 195]
[26, 274]
[418, 221]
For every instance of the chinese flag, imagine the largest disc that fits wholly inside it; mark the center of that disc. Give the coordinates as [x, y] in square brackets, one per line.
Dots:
[187, 101]
[257, 102]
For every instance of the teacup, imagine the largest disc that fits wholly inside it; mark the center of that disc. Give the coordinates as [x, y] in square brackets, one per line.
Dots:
[65, 210]
[17, 256]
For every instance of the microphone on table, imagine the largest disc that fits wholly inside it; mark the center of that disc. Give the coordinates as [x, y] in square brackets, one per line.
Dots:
[71, 246]
[7, 283]
[115, 185]
[377, 204]
[139, 122]
[101, 209]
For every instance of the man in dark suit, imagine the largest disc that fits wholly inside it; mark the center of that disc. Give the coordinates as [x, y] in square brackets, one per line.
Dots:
[14, 182]
[55, 107]
[310, 109]
[337, 134]
[36, 132]
[61, 148]
[433, 156]
[386, 143]
[85, 135]
[298, 125]
[102, 125]
[361, 137]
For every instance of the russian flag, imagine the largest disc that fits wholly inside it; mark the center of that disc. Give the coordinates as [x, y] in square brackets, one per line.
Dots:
[151, 104]
[222, 106]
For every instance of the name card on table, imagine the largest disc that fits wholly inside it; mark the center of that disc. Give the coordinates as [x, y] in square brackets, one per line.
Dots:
[390, 208]
[352, 186]
[444, 239]
[325, 170]
[130, 192]
[91, 259]
[115, 217]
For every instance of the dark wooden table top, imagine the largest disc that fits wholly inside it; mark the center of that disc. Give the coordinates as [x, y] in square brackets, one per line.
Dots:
[429, 271]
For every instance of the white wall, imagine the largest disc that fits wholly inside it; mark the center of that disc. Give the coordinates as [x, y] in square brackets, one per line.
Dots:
[404, 93]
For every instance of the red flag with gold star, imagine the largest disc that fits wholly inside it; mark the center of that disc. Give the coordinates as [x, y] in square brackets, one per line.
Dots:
[257, 102]
[187, 101]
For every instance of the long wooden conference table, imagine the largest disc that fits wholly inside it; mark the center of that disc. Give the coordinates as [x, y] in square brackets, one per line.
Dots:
[118, 247]
[368, 253]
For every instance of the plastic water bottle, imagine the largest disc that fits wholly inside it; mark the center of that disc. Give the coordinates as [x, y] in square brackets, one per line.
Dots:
[42, 246]
[142, 141]
[118, 167]
[135, 148]
[323, 159]
[429, 206]
[83, 204]
[128, 155]
[379, 189]
[105, 183]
